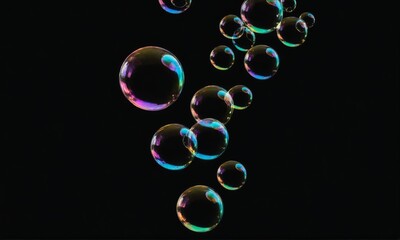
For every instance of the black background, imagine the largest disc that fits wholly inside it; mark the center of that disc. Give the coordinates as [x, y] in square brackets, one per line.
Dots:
[319, 142]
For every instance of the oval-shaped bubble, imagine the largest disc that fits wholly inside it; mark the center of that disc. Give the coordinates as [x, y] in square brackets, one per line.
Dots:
[175, 6]
[308, 18]
[173, 146]
[289, 5]
[212, 138]
[246, 40]
[241, 96]
[261, 16]
[151, 78]
[222, 57]
[292, 31]
[261, 62]
[200, 208]
[212, 101]
[229, 24]
[232, 175]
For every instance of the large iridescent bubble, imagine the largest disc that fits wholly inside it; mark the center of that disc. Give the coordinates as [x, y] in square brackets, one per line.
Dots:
[151, 78]
[261, 16]
[200, 208]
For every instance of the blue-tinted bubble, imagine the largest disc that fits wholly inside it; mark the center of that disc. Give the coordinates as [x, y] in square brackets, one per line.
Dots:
[222, 57]
[292, 31]
[232, 175]
[261, 62]
[261, 16]
[229, 25]
[200, 208]
[242, 96]
[212, 101]
[151, 78]
[289, 5]
[308, 18]
[212, 138]
[175, 6]
[173, 146]
[246, 40]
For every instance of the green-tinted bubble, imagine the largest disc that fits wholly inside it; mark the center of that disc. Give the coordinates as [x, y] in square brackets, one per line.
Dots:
[232, 175]
[261, 16]
[242, 96]
[222, 57]
[200, 208]
[175, 6]
[292, 31]
[151, 78]
[229, 25]
[261, 62]
[212, 138]
[308, 18]
[246, 40]
[289, 5]
[173, 146]
[212, 101]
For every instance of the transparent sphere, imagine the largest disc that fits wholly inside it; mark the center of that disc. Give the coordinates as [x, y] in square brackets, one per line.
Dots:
[242, 96]
[212, 101]
[173, 146]
[212, 138]
[229, 25]
[292, 31]
[151, 78]
[222, 57]
[289, 5]
[246, 40]
[232, 175]
[261, 62]
[309, 18]
[261, 16]
[200, 208]
[175, 6]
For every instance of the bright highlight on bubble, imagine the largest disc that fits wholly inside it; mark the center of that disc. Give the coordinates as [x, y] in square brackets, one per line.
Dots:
[229, 25]
[261, 16]
[222, 57]
[261, 62]
[242, 96]
[289, 5]
[212, 101]
[292, 31]
[232, 175]
[173, 146]
[200, 208]
[151, 78]
[212, 138]
[175, 6]
[308, 18]
[246, 40]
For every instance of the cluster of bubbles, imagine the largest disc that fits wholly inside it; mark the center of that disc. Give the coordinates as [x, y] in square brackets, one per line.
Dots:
[152, 79]
[261, 61]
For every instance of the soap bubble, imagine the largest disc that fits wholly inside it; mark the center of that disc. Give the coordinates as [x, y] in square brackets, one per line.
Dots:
[292, 31]
[246, 40]
[308, 18]
[151, 78]
[261, 16]
[232, 175]
[242, 96]
[261, 62]
[222, 57]
[175, 6]
[229, 25]
[200, 208]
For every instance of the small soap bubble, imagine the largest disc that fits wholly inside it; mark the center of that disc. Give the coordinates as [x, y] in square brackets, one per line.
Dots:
[212, 138]
[308, 18]
[175, 6]
[173, 146]
[292, 31]
[229, 25]
[200, 208]
[232, 175]
[246, 40]
[261, 62]
[242, 96]
[222, 57]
